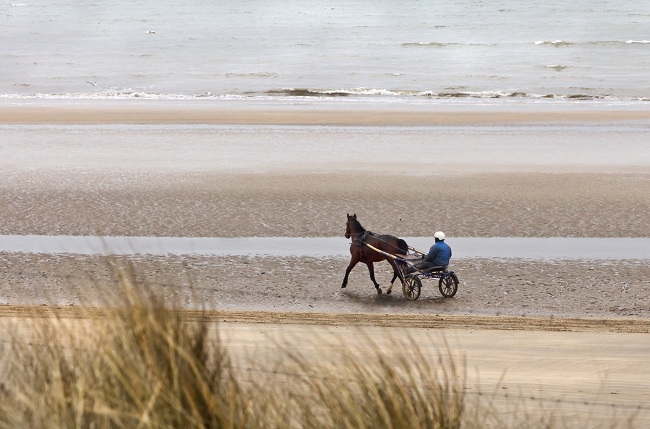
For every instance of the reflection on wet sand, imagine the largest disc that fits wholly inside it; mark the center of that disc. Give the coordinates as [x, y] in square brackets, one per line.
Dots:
[463, 247]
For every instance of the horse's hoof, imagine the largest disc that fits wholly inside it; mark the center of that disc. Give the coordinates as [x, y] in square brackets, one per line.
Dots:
[388, 292]
[342, 286]
[378, 291]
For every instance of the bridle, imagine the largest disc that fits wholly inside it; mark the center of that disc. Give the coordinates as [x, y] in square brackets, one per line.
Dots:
[355, 241]
[360, 238]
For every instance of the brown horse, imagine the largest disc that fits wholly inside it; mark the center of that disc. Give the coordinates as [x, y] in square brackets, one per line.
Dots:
[362, 253]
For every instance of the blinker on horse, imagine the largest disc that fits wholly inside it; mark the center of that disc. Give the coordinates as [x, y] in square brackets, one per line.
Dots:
[362, 253]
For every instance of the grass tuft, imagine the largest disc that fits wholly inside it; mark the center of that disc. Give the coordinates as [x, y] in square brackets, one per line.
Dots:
[139, 364]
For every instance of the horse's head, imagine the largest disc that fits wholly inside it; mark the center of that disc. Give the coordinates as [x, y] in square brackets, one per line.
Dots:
[348, 225]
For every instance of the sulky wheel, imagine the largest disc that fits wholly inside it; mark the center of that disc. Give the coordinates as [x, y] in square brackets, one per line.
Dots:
[411, 287]
[448, 285]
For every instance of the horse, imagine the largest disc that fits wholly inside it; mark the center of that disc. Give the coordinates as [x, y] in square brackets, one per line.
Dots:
[362, 253]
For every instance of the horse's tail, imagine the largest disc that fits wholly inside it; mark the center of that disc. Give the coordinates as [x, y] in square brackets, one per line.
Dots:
[403, 246]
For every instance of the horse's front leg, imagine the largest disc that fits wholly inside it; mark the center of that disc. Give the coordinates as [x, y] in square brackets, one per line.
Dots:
[371, 270]
[353, 262]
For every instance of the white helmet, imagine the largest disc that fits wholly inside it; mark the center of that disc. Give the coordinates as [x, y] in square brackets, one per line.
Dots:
[439, 235]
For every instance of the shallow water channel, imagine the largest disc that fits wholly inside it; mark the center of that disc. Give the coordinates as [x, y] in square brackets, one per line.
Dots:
[463, 247]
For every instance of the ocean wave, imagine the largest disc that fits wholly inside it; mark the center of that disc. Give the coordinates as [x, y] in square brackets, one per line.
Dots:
[444, 44]
[494, 94]
[109, 95]
[253, 74]
[560, 43]
[102, 95]
[377, 94]
[556, 67]
[431, 44]
[304, 92]
[553, 42]
[309, 92]
[396, 93]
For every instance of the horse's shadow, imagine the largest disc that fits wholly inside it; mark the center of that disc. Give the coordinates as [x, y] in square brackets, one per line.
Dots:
[392, 300]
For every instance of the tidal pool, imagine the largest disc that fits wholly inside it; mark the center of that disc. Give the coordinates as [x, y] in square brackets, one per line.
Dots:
[463, 247]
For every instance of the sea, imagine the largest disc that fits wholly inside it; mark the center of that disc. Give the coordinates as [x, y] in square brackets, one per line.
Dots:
[389, 51]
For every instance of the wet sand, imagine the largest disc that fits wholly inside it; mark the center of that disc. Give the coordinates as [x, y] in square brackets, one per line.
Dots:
[495, 288]
[303, 205]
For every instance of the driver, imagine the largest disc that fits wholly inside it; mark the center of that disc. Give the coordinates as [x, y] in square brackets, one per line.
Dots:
[438, 256]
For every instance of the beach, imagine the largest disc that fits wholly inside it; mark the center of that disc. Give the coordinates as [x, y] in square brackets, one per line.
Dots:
[269, 172]
[267, 122]
[257, 178]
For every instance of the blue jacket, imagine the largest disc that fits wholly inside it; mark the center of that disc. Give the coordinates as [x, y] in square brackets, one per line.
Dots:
[439, 254]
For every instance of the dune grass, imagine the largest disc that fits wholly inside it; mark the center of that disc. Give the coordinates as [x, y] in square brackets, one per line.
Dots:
[140, 363]
[137, 364]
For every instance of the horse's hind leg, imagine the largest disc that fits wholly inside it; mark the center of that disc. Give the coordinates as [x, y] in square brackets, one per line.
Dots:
[395, 276]
[371, 270]
[390, 288]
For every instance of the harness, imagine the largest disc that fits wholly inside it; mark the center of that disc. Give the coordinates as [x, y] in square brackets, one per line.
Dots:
[361, 239]
[363, 236]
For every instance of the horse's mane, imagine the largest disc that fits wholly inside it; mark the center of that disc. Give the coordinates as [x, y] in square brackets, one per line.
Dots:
[358, 224]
